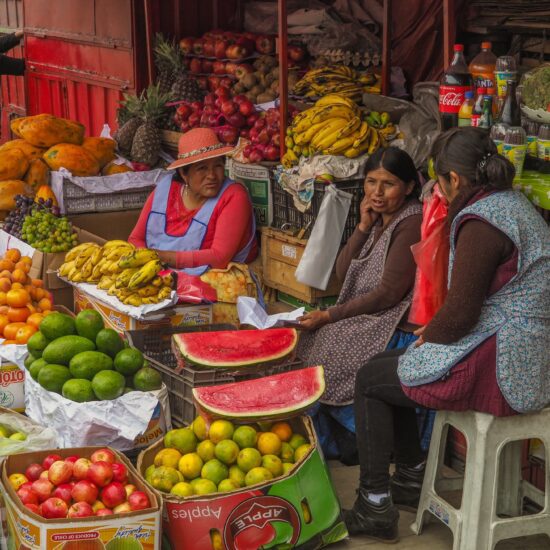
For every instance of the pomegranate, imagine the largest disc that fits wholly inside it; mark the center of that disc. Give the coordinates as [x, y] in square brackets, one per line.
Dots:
[239, 98]
[271, 153]
[237, 120]
[228, 108]
[256, 156]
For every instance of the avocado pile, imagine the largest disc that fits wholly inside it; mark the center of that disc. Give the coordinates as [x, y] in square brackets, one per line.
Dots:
[84, 361]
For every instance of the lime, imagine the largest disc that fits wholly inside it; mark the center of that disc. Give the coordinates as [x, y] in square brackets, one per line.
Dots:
[296, 440]
[249, 458]
[227, 485]
[214, 470]
[88, 363]
[37, 344]
[167, 457]
[190, 465]
[301, 451]
[147, 379]
[245, 436]
[257, 475]
[220, 430]
[273, 464]
[182, 439]
[108, 341]
[204, 487]
[199, 427]
[205, 449]
[128, 361]
[52, 377]
[56, 325]
[79, 390]
[88, 323]
[182, 489]
[237, 475]
[35, 368]
[227, 451]
[287, 452]
[108, 384]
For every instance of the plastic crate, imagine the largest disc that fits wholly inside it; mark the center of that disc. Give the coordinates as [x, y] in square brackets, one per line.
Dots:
[156, 346]
[285, 213]
[77, 201]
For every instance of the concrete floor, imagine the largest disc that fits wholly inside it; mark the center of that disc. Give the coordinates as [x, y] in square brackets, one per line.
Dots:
[435, 535]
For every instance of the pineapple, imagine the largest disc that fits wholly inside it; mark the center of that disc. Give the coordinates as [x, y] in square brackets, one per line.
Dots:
[147, 139]
[129, 116]
[167, 59]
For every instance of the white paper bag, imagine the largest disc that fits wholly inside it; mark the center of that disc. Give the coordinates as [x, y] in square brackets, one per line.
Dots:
[322, 247]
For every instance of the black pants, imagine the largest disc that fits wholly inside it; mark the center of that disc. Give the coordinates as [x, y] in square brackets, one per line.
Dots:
[385, 422]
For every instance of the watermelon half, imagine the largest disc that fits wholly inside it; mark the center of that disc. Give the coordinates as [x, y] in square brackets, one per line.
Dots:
[235, 348]
[271, 397]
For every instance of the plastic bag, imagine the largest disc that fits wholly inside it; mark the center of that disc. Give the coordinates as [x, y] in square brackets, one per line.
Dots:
[317, 262]
[431, 255]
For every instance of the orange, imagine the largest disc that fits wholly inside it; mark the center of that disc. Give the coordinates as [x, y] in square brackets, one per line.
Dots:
[5, 274]
[45, 303]
[39, 293]
[32, 308]
[19, 276]
[4, 310]
[12, 254]
[23, 266]
[15, 286]
[3, 322]
[18, 314]
[7, 265]
[18, 298]
[282, 430]
[8, 342]
[3, 300]
[269, 444]
[34, 319]
[5, 284]
[39, 283]
[11, 329]
[26, 259]
[24, 333]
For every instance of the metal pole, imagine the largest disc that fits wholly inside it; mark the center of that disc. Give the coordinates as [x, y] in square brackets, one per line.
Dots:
[149, 40]
[386, 47]
[283, 73]
[449, 22]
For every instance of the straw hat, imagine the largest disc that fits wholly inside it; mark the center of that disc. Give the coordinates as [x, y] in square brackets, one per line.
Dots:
[199, 144]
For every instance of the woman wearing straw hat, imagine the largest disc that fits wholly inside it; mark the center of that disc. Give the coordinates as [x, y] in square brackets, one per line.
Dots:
[204, 220]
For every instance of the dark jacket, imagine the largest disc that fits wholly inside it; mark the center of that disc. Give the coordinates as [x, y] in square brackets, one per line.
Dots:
[10, 65]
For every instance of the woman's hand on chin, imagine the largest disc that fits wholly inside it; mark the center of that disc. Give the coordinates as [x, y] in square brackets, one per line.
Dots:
[167, 257]
[314, 320]
[368, 217]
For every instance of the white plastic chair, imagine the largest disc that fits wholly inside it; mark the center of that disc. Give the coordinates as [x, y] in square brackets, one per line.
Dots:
[490, 485]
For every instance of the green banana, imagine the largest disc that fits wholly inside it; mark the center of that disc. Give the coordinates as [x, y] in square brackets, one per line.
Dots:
[384, 119]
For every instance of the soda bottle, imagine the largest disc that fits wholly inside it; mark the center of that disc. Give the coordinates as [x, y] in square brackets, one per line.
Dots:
[510, 112]
[482, 67]
[465, 113]
[454, 84]
[496, 107]
[486, 118]
[478, 107]
[505, 70]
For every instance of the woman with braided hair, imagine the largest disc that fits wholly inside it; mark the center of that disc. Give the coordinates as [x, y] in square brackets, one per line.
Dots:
[485, 350]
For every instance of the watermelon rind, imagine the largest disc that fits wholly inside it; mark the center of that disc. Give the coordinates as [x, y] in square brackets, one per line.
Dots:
[262, 390]
[195, 357]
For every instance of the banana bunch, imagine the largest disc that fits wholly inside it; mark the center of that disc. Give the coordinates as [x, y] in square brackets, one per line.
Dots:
[383, 123]
[333, 126]
[336, 79]
[80, 263]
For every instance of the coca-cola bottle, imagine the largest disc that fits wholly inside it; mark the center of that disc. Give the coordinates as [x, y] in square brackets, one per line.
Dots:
[454, 84]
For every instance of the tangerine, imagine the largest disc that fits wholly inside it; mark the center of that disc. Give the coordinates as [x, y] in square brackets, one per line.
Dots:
[3, 301]
[16, 286]
[45, 303]
[18, 298]
[19, 276]
[13, 255]
[5, 284]
[3, 322]
[10, 330]
[18, 314]
[282, 430]
[40, 293]
[34, 319]
[7, 265]
[46, 312]
[39, 283]
[27, 259]
[24, 333]
[5, 274]
[23, 266]
[8, 342]
[4, 310]
[269, 444]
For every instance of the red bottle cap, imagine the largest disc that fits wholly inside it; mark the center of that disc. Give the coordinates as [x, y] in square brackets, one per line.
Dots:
[458, 48]
[486, 45]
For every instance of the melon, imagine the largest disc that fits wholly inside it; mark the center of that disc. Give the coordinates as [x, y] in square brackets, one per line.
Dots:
[268, 398]
[235, 348]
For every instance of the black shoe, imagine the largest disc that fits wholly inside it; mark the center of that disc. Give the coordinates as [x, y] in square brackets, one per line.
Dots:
[377, 521]
[406, 486]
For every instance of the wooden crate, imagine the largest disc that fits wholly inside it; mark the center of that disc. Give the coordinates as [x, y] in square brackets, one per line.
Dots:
[281, 254]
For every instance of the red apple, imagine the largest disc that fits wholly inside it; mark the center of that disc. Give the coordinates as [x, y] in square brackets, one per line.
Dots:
[123, 508]
[198, 46]
[213, 83]
[80, 510]
[218, 67]
[63, 492]
[27, 485]
[184, 127]
[203, 82]
[246, 108]
[27, 496]
[60, 472]
[296, 53]
[259, 124]
[129, 489]
[120, 472]
[215, 120]
[219, 48]
[207, 66]
[72, 459]
[243, 132]
[237, 120]
[186, 45]
[33, 471]
[104, 512]
[265, 44]
[247, 150]
[228, 134]
[226, 82]
[184, 111]
[81, 467]
[228, 108]
[138, 500]
[85, 491]
[240, 98]
[195, 67]
[44, 475]
[98, 505]
[101, 473]
[208, 47]
[54, 508]
[210, 99]
[256, 156]
[34, 508]
[243, 69]
[49, 460]
[247, 45]
[113, 494]
[194, 120]
[223, 92]
[230, 67]
[271, 153]
[235, 51]
[197, 105]
[103, 455]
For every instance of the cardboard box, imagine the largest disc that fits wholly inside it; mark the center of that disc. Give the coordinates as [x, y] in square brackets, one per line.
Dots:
[12, 386]
[258, 180]
[298, 510]
[179, 315]
[323, 302]
[107, 225]
[32, 532]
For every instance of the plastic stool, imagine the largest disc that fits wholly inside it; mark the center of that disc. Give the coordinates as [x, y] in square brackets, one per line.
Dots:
[490, 485]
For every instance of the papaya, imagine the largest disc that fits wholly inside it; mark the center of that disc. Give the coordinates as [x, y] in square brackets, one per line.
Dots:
[8, 190]
[113, 168]
[38, 174]
[13, 164]
[30, 151]
[45, 192]
[49, 130]
[103, 149]
[74, 158]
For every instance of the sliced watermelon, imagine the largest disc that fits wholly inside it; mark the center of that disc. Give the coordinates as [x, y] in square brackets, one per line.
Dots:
[236, 348]
[278, 396]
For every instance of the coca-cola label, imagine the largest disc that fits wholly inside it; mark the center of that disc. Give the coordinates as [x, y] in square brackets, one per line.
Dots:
[451, 98]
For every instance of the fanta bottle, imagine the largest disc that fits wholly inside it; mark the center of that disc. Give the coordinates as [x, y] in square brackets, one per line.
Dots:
[482, 67]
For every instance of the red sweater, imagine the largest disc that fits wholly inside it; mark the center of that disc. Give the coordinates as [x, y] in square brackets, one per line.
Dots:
[227, 233]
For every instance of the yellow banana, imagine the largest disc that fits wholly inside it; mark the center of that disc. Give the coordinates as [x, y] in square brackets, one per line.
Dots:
[164, 293]
[105, 283]
[353, 152]
[133, 300]
[374, 141]
[137, 258]
[333, 99]
[64, 269]
[340, 145]
[349, 128]
[82, 258]
[74, 252]
[117, 252]
[167, 280]
[96, 272]
[122, 280]
[305, 137]
[331, 126]
[148, 290]
[146, 273]
[96, 255]
[362, 134]
[86, 269]
[333, 111]
[116, 243]
[157, 281]
[150, 300]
